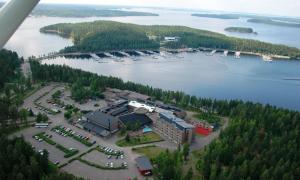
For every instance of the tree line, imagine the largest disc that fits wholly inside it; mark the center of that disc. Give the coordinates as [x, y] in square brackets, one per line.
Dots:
[109, 35]
[13, 86]
[19, 161]
[261, 141]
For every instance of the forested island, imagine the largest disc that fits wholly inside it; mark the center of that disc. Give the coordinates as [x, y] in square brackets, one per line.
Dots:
[240, 30]
[275, 22]
[82, 11]
[278, 21]
[218, 16]
[108, 35]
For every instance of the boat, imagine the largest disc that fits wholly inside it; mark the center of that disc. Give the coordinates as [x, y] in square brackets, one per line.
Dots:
[95, 57]
[211, 53]
[237, 55]
[163, 54]
[267, 58]
[135, 59]
[225, 53]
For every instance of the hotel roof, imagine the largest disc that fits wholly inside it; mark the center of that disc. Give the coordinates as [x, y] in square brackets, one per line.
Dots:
[101, 119]
[141, 105]
[180, 123]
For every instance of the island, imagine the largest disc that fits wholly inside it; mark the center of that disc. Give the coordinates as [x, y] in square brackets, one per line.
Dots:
[241, 30]
[276, 22]
[218, 16]
[99, 36]
[83, 11]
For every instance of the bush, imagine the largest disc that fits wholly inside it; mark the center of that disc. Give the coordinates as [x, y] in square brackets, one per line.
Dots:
[71, 153]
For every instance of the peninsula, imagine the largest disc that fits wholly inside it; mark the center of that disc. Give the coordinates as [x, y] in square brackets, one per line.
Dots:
[275, 22]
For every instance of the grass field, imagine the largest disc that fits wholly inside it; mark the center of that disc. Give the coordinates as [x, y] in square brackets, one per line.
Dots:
[150, 151]
[137, 140]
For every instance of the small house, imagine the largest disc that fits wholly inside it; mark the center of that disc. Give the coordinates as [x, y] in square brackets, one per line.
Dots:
[144, 166]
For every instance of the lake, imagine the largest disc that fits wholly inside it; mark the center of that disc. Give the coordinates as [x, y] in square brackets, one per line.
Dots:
[248, 78]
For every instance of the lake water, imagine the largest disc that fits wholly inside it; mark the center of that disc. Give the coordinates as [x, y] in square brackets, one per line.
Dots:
[248, 78]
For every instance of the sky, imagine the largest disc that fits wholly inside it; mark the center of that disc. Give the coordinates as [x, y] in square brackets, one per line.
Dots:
[273, 7]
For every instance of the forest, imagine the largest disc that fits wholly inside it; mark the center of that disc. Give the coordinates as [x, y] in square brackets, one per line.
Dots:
[108, 35]
[261, 141]
[18, 159]
[13, 86]
[9, 64]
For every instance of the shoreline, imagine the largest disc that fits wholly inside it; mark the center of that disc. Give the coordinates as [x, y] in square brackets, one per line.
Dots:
[172, 51]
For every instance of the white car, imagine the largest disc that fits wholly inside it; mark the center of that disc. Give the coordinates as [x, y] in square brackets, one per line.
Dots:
[111, 164]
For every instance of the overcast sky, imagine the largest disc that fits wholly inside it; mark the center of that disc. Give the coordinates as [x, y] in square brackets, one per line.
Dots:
[275, 7]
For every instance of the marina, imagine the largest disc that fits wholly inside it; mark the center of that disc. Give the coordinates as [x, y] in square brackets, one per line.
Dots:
[162, 52]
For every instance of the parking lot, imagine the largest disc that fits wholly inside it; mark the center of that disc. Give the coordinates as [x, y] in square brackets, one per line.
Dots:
[105, 160]
[82, 170]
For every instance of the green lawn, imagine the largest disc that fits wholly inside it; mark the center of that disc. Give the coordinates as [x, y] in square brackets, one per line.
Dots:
[137, 140]
[150, 151]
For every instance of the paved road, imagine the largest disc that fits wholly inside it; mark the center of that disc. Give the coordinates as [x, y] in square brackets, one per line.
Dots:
[25, 67]
[201, 142]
